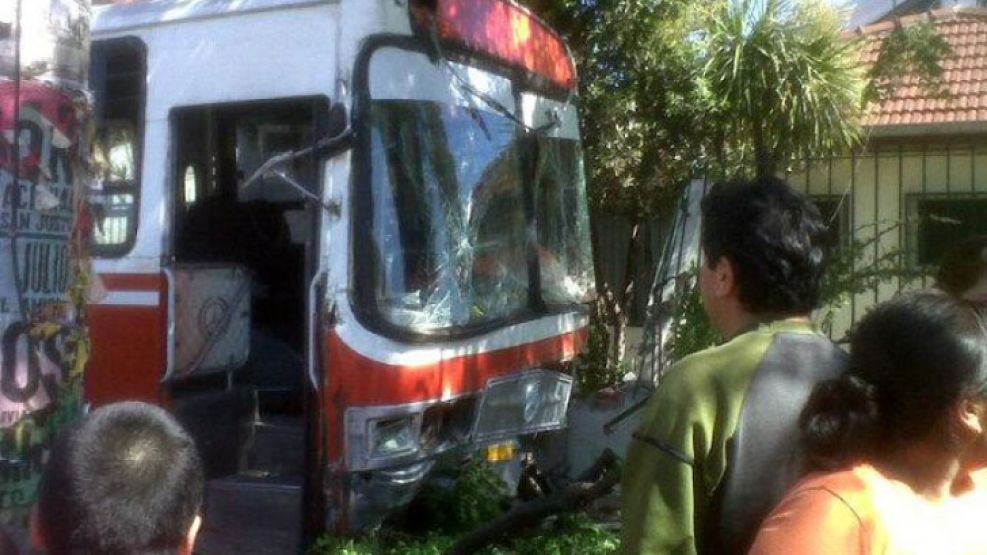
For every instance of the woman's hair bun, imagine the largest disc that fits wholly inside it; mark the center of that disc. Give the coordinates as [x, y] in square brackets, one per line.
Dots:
[840, 419]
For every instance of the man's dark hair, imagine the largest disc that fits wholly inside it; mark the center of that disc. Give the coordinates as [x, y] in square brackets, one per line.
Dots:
[963, 265]
[126, 480]
[774, 238]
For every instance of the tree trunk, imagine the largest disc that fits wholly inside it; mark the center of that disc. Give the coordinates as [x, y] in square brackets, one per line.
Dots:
[44, 116]
[618, 304]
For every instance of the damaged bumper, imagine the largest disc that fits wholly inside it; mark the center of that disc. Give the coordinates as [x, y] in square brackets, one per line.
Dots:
[391, 449]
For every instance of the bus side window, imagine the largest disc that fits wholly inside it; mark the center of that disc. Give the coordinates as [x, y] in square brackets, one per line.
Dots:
[117, 77]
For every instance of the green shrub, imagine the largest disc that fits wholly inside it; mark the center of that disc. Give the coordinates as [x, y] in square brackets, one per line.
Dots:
[593, 370]
[690, 328]
[383, 544]
[477, 498]
[570, 535]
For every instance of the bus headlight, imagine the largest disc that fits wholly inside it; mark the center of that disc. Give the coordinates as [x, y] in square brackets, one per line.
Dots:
[390, 436]
[394, 436]
[532, 400]
[525, 403]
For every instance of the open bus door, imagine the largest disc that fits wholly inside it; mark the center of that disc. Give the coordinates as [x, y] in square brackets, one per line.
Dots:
[245, 282]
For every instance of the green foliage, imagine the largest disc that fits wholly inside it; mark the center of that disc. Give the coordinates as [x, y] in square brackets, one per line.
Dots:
[859, 266]
[673, 88]
[568, 535]
[641, 108]
[592, 369]
[914, 50]
[690, 330]
[670, 89]
[382, 544]
[477, 497]
[783, 82]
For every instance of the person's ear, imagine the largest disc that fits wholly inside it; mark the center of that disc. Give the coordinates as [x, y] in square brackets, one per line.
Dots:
[37, 532]
[724, 278]
[193, 531]
[970, 419]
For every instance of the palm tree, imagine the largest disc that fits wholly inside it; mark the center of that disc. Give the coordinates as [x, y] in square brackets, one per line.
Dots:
[783, 82]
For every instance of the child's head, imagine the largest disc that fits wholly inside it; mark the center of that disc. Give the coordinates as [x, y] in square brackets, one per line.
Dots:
[126, 479]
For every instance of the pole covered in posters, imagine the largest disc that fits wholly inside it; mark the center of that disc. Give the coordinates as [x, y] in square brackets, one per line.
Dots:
[44, 122]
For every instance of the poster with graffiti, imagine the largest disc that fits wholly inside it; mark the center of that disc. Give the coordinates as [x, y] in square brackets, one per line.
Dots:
[43, 116]
[38, 160]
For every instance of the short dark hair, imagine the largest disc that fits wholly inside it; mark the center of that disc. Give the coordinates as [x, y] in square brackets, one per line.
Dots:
[773, 237]
[125, 480]
[911, 359]
[963, 265]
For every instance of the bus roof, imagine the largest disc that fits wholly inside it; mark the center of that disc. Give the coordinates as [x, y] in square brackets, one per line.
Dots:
[116, 18]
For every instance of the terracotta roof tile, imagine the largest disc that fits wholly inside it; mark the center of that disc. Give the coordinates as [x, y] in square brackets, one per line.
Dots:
[965, 76]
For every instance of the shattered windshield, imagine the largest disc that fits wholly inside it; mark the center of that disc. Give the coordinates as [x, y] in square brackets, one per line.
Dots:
[448, 214]
[565, 257]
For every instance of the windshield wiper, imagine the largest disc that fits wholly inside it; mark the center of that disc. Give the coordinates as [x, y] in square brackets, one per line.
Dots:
[325, 147]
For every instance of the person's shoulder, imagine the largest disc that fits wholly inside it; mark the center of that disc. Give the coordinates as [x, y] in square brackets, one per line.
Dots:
[723, 369]
[701, 369]
[815, 338]
[820, 515]
[801, 327]
[809, 352]
[851, 489]
[849, 480]
[843, 495]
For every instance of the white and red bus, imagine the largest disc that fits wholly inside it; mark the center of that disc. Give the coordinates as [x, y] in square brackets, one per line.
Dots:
[339, 238]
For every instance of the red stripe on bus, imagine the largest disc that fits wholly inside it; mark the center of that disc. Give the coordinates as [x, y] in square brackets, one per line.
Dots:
[363, 381]
[355, 380]
[128, 344]
[132, 282]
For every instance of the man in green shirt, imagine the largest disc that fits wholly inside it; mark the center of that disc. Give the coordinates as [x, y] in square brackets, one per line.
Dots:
[718, 442]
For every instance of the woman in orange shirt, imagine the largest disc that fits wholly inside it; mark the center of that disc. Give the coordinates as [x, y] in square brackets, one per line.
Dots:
[899, 442]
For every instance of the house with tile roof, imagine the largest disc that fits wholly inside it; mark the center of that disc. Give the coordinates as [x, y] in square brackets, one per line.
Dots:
[911, 109]
[865, 12]
[919, 183]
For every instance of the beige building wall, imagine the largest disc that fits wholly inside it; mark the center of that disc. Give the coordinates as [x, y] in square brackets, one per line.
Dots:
[879, 192]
